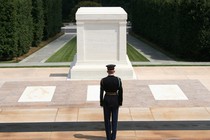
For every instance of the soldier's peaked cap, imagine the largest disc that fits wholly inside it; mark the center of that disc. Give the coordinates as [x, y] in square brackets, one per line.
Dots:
[110, 66]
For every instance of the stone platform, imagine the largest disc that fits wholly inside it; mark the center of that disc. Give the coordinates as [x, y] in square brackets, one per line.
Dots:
[70, 114]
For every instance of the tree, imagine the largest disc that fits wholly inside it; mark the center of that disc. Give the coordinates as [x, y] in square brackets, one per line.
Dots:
[52, 17]
[8, 32]
[38, 21]
[83, 4]
[24, 25]
[67, 6]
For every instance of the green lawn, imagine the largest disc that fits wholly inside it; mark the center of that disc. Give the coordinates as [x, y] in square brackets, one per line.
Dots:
[134, 55]
[66, 53]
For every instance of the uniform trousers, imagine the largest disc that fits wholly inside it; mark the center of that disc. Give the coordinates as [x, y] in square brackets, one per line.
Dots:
[111, 127]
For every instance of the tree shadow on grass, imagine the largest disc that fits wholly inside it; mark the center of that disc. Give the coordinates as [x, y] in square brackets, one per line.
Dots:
[89, 137]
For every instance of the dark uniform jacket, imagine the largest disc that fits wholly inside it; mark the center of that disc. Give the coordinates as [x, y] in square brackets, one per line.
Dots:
[111, 84]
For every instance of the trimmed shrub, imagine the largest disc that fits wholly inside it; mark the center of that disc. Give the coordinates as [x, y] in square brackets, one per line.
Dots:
[15, 28]
[52, 17]
[38, 21]
[24, 25]
[83, 4]
[178, 26]
[8, 35]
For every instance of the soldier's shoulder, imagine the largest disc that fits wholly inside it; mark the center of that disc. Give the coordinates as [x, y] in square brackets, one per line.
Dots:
[118, 77]
[103, 78]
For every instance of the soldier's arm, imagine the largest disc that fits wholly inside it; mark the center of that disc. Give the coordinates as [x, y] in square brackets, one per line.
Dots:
[120, 92]
[101, 93]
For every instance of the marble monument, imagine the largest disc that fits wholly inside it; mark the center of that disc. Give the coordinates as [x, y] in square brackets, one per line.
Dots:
[101, 40]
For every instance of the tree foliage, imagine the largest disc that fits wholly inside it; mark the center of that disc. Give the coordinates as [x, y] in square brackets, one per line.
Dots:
[83, 4]
[16, 25]
[22, 24]
[179, 26]
[125, 4]
[38, 21]
[53, 17]
[68, 5]
[8, 30]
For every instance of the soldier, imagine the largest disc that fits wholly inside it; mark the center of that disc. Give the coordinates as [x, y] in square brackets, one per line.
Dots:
[112, 86]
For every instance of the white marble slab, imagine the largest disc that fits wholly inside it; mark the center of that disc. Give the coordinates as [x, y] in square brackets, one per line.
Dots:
[167, 92]
[101, 13]
[37, 94]
[93, 93]
[1, 83]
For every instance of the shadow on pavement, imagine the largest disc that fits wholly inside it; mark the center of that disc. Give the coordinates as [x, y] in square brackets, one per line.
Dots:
[89, 137]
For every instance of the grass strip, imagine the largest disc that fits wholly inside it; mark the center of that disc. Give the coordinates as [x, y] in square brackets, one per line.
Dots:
[66, 53]
[134, 55]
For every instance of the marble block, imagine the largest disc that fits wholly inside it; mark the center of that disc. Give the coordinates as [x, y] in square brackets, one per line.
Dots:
[93, 93]
[167, 92]
[37, 94]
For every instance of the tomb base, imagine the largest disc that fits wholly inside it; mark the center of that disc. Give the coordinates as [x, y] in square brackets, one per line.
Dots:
[95, 70]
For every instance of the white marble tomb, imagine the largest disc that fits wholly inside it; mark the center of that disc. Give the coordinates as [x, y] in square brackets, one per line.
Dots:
[101, 40]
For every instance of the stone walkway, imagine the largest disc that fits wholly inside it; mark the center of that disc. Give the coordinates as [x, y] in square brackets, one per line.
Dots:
[150, 53]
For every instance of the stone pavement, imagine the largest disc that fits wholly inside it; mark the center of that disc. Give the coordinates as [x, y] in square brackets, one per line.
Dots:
[184, 115]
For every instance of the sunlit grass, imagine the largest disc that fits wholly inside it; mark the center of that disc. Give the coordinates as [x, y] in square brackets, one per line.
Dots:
[66, 53]
[134, 55]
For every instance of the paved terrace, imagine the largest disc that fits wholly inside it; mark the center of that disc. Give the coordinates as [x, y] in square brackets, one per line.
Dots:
[68, 114]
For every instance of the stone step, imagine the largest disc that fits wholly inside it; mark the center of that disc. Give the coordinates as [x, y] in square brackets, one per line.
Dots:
[99, 126]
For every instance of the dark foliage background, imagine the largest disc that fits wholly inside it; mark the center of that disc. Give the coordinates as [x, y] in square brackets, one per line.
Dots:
[25, 23]
[181, 27]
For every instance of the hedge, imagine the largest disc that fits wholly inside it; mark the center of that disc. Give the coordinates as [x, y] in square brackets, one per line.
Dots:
[53, 17]
[15, 28]
[181, 27]
[38, 21]
[82, 4]
[23, 22]
[24, 25]
[7, 28]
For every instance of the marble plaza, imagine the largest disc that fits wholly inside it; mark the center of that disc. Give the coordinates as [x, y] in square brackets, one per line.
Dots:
[156, 106]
